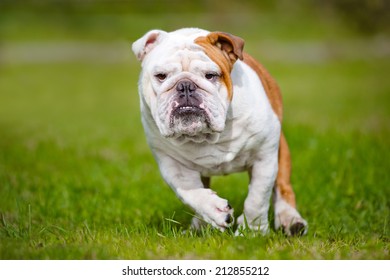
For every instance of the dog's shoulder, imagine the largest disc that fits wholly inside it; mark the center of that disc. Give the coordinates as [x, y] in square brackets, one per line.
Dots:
[270, 86]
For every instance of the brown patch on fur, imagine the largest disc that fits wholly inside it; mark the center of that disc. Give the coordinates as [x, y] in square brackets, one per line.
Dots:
[224, 49]
[272, 90]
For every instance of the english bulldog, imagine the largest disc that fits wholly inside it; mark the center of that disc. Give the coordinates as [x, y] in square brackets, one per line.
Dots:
[208, 108]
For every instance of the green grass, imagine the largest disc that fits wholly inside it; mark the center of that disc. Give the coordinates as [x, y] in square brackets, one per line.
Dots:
[77, 180]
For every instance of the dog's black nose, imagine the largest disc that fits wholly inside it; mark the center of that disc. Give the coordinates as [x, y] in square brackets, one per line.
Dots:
[187, 93]
[185, 87]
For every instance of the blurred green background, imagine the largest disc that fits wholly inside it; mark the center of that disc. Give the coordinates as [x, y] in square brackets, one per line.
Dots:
[77, 179]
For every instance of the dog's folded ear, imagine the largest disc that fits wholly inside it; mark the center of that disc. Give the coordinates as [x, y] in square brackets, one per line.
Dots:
[146, 43]
[230, 44]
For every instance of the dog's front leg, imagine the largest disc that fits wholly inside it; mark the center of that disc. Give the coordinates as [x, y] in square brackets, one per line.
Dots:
[256, 205]
[188, 186]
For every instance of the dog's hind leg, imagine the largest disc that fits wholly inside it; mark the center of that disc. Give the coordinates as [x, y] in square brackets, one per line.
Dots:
[286, 215]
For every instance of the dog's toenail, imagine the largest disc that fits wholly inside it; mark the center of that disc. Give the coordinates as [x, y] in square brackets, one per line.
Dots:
[297, 229]
[229, 219]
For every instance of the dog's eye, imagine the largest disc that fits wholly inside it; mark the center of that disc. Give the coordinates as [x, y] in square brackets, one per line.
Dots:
[211, 76]
[161, 76]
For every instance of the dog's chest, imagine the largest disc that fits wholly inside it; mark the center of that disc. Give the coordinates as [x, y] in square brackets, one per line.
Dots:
[224, 163]
[221, 158]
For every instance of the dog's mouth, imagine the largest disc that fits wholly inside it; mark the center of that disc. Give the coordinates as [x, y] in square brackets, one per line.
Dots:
[192, 124]
[188, 110]
[189, 119]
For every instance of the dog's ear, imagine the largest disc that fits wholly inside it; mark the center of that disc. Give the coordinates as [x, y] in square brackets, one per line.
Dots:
[231, 45]
[146, 43]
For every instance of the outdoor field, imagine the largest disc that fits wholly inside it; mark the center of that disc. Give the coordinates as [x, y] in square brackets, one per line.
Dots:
[78, 181]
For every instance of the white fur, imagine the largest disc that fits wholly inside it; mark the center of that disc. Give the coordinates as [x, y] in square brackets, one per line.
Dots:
[244, 135]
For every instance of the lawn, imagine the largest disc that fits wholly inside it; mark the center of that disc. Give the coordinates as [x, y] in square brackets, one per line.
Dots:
[78, 181]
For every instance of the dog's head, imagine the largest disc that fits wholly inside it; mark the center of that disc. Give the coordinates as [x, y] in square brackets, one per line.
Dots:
[185, 81]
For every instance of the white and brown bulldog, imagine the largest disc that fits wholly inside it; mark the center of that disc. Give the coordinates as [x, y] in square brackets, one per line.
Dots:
[208, 108]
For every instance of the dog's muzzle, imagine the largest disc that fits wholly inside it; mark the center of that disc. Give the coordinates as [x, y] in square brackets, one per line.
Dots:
[188, 101]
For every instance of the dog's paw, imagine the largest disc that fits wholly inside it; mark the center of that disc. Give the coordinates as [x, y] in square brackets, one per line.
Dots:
[291, 225]
[197, 223]
[209, 207]
[290, 221]
[217, 212]
[254, 227]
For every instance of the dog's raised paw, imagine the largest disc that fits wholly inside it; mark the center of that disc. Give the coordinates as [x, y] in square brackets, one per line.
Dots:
[209, 207]
[229, 219]
[221, 217]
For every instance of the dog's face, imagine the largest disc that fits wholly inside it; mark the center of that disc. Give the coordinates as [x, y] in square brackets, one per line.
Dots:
[185, 81]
